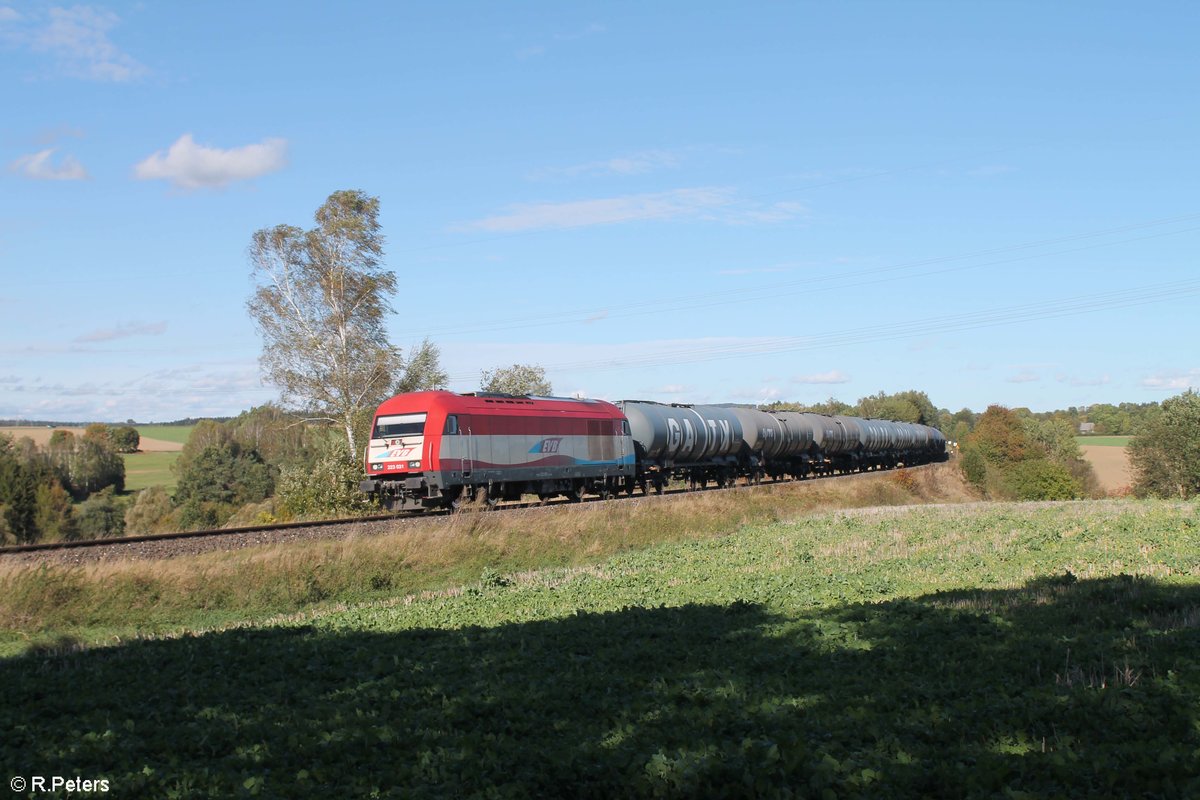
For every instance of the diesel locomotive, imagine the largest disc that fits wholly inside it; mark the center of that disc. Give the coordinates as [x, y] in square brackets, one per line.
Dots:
[438, 449]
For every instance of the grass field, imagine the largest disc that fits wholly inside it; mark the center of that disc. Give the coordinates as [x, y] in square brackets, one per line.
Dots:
[143, 470]
[1103, 441]
[167, 433]
[998, 650]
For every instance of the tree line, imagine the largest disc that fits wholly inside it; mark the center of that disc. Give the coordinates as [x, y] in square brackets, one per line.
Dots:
[67, 490]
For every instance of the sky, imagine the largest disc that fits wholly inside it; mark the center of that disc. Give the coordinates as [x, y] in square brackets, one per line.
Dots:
[991, 202]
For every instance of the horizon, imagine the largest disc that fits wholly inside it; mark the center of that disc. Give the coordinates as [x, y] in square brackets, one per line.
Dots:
[991, 203]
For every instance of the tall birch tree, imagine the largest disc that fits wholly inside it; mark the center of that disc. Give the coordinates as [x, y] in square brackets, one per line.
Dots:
[320, 302]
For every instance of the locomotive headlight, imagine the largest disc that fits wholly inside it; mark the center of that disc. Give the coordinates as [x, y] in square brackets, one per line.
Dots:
[414, 465]
[377, 466]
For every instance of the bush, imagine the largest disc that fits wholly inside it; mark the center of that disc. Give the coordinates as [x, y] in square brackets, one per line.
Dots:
[1166, 452]
[151, 512]
[100, 516]
[55, 517]
[327, 486]
[974, 467]
[1040, 480]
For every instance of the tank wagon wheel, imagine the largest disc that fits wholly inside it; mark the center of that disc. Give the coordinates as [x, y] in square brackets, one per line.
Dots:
[543, 498]
[575, 494]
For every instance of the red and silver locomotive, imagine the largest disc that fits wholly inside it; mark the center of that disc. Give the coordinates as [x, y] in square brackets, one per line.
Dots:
[432, 449]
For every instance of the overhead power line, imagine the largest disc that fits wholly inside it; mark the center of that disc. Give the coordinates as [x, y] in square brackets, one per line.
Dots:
[1008, 315]
[816, 283]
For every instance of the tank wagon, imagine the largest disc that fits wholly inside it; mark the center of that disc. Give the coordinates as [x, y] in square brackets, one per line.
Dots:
[436, 449]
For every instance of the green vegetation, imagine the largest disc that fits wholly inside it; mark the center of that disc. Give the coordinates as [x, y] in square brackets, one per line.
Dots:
[995, 651]
[516, 379]
[143, 470]
[123, 599]
[1166, 455]
[1104, 441]
[36, 486]
[1014, 457]
[166, 433]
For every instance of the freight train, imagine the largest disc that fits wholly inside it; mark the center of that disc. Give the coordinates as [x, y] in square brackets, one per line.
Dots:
[438, 449]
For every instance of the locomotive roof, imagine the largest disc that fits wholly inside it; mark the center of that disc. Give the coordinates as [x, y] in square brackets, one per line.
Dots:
[494, 403]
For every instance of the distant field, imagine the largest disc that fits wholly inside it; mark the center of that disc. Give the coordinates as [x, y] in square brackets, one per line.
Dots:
[166, 433]
[143, 470]
[1111, 465]
[155, 438]
[1103, 441]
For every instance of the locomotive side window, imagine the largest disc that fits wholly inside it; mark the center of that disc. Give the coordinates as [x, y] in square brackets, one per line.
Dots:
[399, 425]
[451, 426]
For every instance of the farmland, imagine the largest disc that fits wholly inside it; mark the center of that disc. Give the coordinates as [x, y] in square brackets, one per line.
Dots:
[1109, 459]
[1103, 441]
[961, 651]
[151, 466]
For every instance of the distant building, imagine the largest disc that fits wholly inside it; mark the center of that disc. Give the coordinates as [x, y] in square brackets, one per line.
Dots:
[1086, 428]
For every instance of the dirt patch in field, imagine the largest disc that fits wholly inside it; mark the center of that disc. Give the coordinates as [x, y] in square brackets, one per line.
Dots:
[1111, 465]
[41, 437]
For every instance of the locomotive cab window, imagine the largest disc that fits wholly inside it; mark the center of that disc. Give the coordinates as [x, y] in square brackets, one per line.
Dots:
[451, 426]
[399, 425]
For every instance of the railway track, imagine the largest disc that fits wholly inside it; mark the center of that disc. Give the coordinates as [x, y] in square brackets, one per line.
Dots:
[166, 545]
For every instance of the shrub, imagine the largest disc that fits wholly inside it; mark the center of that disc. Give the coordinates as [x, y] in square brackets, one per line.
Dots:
[1039, 479]
[101, 515]
[326, 486]
[151, 512]
[974, 466]
[1166, 452]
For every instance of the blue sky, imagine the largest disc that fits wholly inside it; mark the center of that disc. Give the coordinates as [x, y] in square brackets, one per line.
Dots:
[689, 202]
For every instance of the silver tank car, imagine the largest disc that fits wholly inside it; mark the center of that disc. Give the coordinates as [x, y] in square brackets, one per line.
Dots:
[805, 432]
[762, 434]
[843, 437]
[683, 434]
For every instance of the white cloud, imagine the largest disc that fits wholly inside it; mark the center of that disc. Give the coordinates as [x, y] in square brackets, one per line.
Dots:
[9, 14]
[77, 39]
[763, 394]
[39, 167]
[581, 213]
[1025, 376]
[706, 203]
[193, 166]
[124, 331]
[833, 376]
[670, 388]
[633, 164]
[1173, 381]
[1075, 380]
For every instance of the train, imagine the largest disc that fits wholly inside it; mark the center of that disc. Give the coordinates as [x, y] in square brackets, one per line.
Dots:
[439, 449]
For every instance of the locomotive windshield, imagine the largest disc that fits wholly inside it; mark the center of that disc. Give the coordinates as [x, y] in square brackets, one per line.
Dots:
[399, 425]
